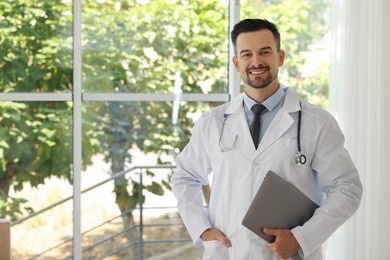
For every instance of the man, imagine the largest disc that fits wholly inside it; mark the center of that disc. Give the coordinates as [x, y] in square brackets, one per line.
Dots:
[221, 144]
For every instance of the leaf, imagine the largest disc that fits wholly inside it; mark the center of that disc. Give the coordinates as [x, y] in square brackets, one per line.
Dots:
[167, 185]
[150, 173]
[155, 188]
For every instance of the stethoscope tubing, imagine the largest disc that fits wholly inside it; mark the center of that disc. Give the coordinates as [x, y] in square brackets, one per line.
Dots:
[299, 130]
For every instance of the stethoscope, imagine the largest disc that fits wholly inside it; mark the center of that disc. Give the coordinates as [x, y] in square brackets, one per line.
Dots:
[299, 158]
[229, 147]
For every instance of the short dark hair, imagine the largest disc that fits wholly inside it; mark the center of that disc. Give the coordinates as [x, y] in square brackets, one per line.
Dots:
[253, 25]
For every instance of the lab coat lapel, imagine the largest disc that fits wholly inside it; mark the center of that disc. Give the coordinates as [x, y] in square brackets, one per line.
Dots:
[281, 122]
[279, 125]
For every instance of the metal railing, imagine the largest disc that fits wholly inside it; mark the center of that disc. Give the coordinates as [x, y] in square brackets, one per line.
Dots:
[140, 242]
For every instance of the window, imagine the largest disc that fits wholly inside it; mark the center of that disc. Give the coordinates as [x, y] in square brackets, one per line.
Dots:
[92, 92]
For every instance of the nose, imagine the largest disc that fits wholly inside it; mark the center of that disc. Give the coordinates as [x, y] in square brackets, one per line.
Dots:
[257, 60]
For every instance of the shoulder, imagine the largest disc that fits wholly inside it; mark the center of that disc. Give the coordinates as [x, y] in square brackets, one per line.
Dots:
[216, 113]
[318, 116]
[310, 112]
[230, 107]
[316, 111]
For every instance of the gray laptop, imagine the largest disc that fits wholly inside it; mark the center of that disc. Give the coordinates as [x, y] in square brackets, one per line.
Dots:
[278, 204]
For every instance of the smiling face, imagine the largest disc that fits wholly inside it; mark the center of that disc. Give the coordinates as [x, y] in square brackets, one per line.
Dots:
[258, 60]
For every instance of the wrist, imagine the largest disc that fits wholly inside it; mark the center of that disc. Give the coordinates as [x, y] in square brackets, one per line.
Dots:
[202, 236]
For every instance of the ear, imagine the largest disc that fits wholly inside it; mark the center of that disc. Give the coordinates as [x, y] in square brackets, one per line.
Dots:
[281, 57]
[235, 62]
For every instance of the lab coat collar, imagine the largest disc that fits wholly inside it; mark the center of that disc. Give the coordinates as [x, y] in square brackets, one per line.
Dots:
[291, 101]
[235, 104]
[279, 125]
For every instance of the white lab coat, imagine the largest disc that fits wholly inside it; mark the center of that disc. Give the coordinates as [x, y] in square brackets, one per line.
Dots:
[329, 177]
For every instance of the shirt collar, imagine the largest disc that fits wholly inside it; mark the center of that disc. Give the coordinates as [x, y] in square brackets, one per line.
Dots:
[270, 103]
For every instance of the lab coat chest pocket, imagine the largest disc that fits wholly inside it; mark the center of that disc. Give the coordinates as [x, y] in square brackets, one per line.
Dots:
[284, 163]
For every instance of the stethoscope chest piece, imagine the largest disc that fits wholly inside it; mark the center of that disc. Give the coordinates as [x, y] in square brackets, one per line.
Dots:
[300, 159]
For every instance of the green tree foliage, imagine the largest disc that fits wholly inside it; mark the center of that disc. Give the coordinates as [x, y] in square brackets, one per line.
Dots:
[139, 47]
[35, 137]
[35, 53]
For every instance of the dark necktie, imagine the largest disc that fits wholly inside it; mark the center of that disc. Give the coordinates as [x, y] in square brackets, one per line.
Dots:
[255, 125]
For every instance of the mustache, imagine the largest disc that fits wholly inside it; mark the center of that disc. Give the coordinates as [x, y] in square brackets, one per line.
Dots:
[258, 68]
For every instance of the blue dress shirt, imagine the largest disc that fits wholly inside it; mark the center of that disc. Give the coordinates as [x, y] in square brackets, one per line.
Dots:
[273, 104]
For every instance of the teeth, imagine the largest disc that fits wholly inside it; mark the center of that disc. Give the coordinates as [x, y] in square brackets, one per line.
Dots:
[257, 72]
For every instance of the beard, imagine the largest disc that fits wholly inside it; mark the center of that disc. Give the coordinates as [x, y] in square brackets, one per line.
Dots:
[258, 83]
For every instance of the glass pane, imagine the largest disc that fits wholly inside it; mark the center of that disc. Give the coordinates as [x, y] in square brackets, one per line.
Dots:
[134, 139]
[35, 173]
[305, 38]
[155, 46]
[36, 46]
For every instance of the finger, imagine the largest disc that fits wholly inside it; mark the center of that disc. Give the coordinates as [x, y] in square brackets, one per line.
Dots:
[224, 240]
[270, 231]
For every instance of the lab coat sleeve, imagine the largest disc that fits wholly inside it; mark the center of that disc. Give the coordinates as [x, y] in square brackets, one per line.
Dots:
[338, 178]
[193, 168]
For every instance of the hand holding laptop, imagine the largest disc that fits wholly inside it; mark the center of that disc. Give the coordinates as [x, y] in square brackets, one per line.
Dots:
[278, 205]
[285, 244]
